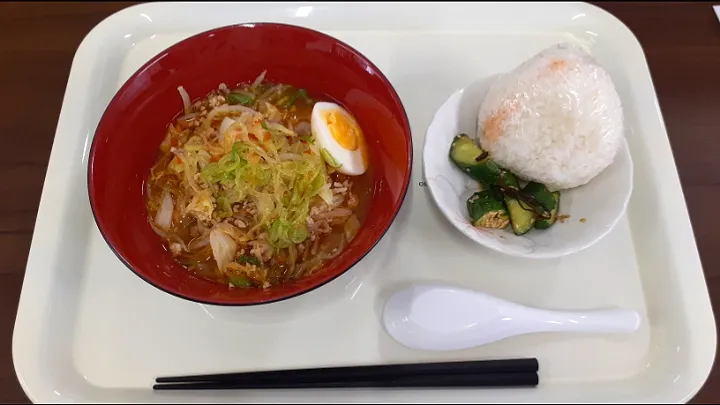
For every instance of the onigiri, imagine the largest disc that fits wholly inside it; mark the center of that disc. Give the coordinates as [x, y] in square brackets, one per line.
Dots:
[555, 119]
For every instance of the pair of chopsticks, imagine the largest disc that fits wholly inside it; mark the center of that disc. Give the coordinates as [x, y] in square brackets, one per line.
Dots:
[483, 373]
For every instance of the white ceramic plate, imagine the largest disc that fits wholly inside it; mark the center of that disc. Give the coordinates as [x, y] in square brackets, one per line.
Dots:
[593, 209]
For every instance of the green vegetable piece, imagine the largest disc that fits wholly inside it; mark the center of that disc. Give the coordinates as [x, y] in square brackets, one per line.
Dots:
[547, 223]
[511, 188]
[264, 125]
[284, 233]
[224, 209]
[473, 161]
[300, 93]
[329, 159]
[225, 169]
[307, 138]
[522, 216]
[486, 210]
[239, 281]
[508, 180]
[541, 194]
[239, 98]
[246, 259]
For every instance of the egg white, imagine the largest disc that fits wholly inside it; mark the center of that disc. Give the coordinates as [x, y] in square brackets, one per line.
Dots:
[351, 161]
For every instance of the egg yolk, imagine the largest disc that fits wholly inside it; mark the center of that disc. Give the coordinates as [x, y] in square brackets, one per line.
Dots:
[345, 132]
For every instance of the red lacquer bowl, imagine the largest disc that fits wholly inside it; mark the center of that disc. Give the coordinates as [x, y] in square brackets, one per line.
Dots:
[127, 139]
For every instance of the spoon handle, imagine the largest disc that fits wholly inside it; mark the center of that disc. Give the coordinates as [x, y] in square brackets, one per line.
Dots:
[604, 321]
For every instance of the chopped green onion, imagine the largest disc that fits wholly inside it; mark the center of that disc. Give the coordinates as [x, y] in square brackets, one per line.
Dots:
[238, 98]
[300, 93]
[239, 281]
[245, 259]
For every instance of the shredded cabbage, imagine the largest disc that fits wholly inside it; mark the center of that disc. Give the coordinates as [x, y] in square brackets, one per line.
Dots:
[223, 247]
[284, 233]
[281, 189]
[253, 157]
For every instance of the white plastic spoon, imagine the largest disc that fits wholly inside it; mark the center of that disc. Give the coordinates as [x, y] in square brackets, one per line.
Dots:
[447, 318]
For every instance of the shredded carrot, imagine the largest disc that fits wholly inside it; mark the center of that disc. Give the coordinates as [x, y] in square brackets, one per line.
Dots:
[267, 137]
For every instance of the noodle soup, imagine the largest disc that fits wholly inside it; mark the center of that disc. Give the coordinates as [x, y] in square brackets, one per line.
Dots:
[259, 185]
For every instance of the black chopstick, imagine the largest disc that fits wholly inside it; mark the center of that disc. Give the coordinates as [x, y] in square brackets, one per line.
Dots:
[385, 370]
[523, 379]
[482, 373]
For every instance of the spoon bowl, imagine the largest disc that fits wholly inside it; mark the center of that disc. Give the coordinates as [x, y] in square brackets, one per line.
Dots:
[440, 318]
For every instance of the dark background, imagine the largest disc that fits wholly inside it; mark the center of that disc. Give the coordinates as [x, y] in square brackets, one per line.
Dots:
[38, 41]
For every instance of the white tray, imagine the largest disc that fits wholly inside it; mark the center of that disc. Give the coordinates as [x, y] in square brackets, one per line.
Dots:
[88, 329]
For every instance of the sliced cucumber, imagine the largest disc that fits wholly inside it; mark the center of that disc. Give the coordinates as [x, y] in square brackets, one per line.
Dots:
[522, 217]
[473, 161]
[541, 194]
[547, 223]
[486, 210]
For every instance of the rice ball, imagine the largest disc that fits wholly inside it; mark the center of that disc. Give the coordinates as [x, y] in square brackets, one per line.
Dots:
[555, 119]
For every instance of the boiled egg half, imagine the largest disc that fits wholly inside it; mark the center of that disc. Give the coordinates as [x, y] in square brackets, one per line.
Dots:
[339, 138]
